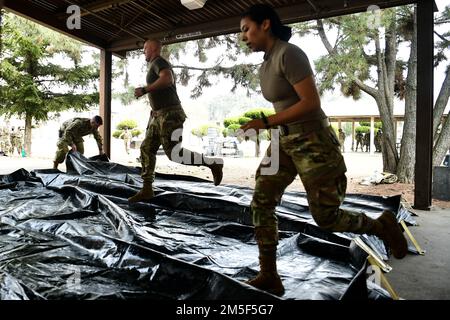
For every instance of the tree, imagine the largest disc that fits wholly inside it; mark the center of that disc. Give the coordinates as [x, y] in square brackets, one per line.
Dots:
[33, 85]
[243, 75]
[441, 128]
[349, 65]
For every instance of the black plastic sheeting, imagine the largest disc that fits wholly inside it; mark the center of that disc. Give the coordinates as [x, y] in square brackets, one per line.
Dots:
[74, 236]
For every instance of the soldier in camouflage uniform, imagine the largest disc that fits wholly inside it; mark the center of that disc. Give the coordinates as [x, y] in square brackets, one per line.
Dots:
[359, 141]
[71, 134]
[342, 139]
[378, 141]
[167, 118]
[367, 141]
[126, 136]
[16, 140]
[308, 146]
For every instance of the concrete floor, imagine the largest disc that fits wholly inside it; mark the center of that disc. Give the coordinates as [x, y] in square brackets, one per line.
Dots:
[426, 277]
[415, 277]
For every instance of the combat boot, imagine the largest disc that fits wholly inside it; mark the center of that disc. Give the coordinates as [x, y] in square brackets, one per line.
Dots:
[268, 278]
[217, 172]
[386, 228]
[216, 167]
[146, 193]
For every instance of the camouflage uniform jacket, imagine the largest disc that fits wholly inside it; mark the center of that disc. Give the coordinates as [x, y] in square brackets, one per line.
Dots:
[73, 130]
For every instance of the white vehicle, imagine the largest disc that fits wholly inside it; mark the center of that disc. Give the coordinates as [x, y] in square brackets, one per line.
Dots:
[231, 147]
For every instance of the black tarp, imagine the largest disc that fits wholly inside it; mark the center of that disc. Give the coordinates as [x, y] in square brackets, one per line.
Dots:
[74, 235]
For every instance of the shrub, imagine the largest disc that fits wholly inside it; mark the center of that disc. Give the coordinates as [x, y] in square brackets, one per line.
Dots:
[130, 124]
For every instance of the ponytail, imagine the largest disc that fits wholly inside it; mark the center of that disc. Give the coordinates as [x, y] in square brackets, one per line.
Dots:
[261, 12]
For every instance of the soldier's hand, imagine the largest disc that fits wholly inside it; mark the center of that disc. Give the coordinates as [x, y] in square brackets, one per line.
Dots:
[74, 148]
[139, 92]
[256, 124]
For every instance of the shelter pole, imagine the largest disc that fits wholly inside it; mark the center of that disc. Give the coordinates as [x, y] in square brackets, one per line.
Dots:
[105, 99]
[424, 103]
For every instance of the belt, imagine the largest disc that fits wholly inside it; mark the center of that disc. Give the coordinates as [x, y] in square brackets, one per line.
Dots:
[160, 112]
[304, 127]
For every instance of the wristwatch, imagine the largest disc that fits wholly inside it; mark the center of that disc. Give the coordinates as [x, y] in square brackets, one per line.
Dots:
[264, 119]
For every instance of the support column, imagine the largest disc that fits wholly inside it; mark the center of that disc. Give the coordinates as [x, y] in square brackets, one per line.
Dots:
[424, 127]
[353, 135]
[105, 99]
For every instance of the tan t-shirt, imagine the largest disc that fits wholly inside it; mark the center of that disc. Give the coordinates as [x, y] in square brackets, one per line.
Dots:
[285, 65]
[166, 97]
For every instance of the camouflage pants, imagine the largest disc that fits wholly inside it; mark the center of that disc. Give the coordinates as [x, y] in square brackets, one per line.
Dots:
[62, 148]
[16, 143]
[317, 159]
[159, 132]
[359, 144]
[341, 145]
[127, 145]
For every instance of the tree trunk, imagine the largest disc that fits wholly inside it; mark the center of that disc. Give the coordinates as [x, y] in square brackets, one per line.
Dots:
[389, 150]
[384, 102]
[442, 144]
[441, 103]
[27, 142]
[407, 163]
[442, 137]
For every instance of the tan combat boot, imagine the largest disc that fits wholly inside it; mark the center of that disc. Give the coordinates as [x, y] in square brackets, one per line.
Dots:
[146, 193]
[268, 278]
[386, 228]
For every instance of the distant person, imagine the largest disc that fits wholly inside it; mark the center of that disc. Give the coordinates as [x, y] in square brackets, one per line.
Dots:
[71, 135]
[378, 141]
[367, 141]
[341, 137]
[126, 136]
[359, 141]
[167, 116]
[16, 140]
[308, 146]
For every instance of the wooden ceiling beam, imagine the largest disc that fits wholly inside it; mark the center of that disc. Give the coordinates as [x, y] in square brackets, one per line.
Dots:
[97, 6]
[290, 14]
[26, 9]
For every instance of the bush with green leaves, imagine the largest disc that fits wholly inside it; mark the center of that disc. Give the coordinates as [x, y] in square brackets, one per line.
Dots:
[202, 131]
[231, 130]
[362, 129]
[256, 113]
[130, 124]
[228, 121]
[377, 124]
[134, 133]
[244, 120]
